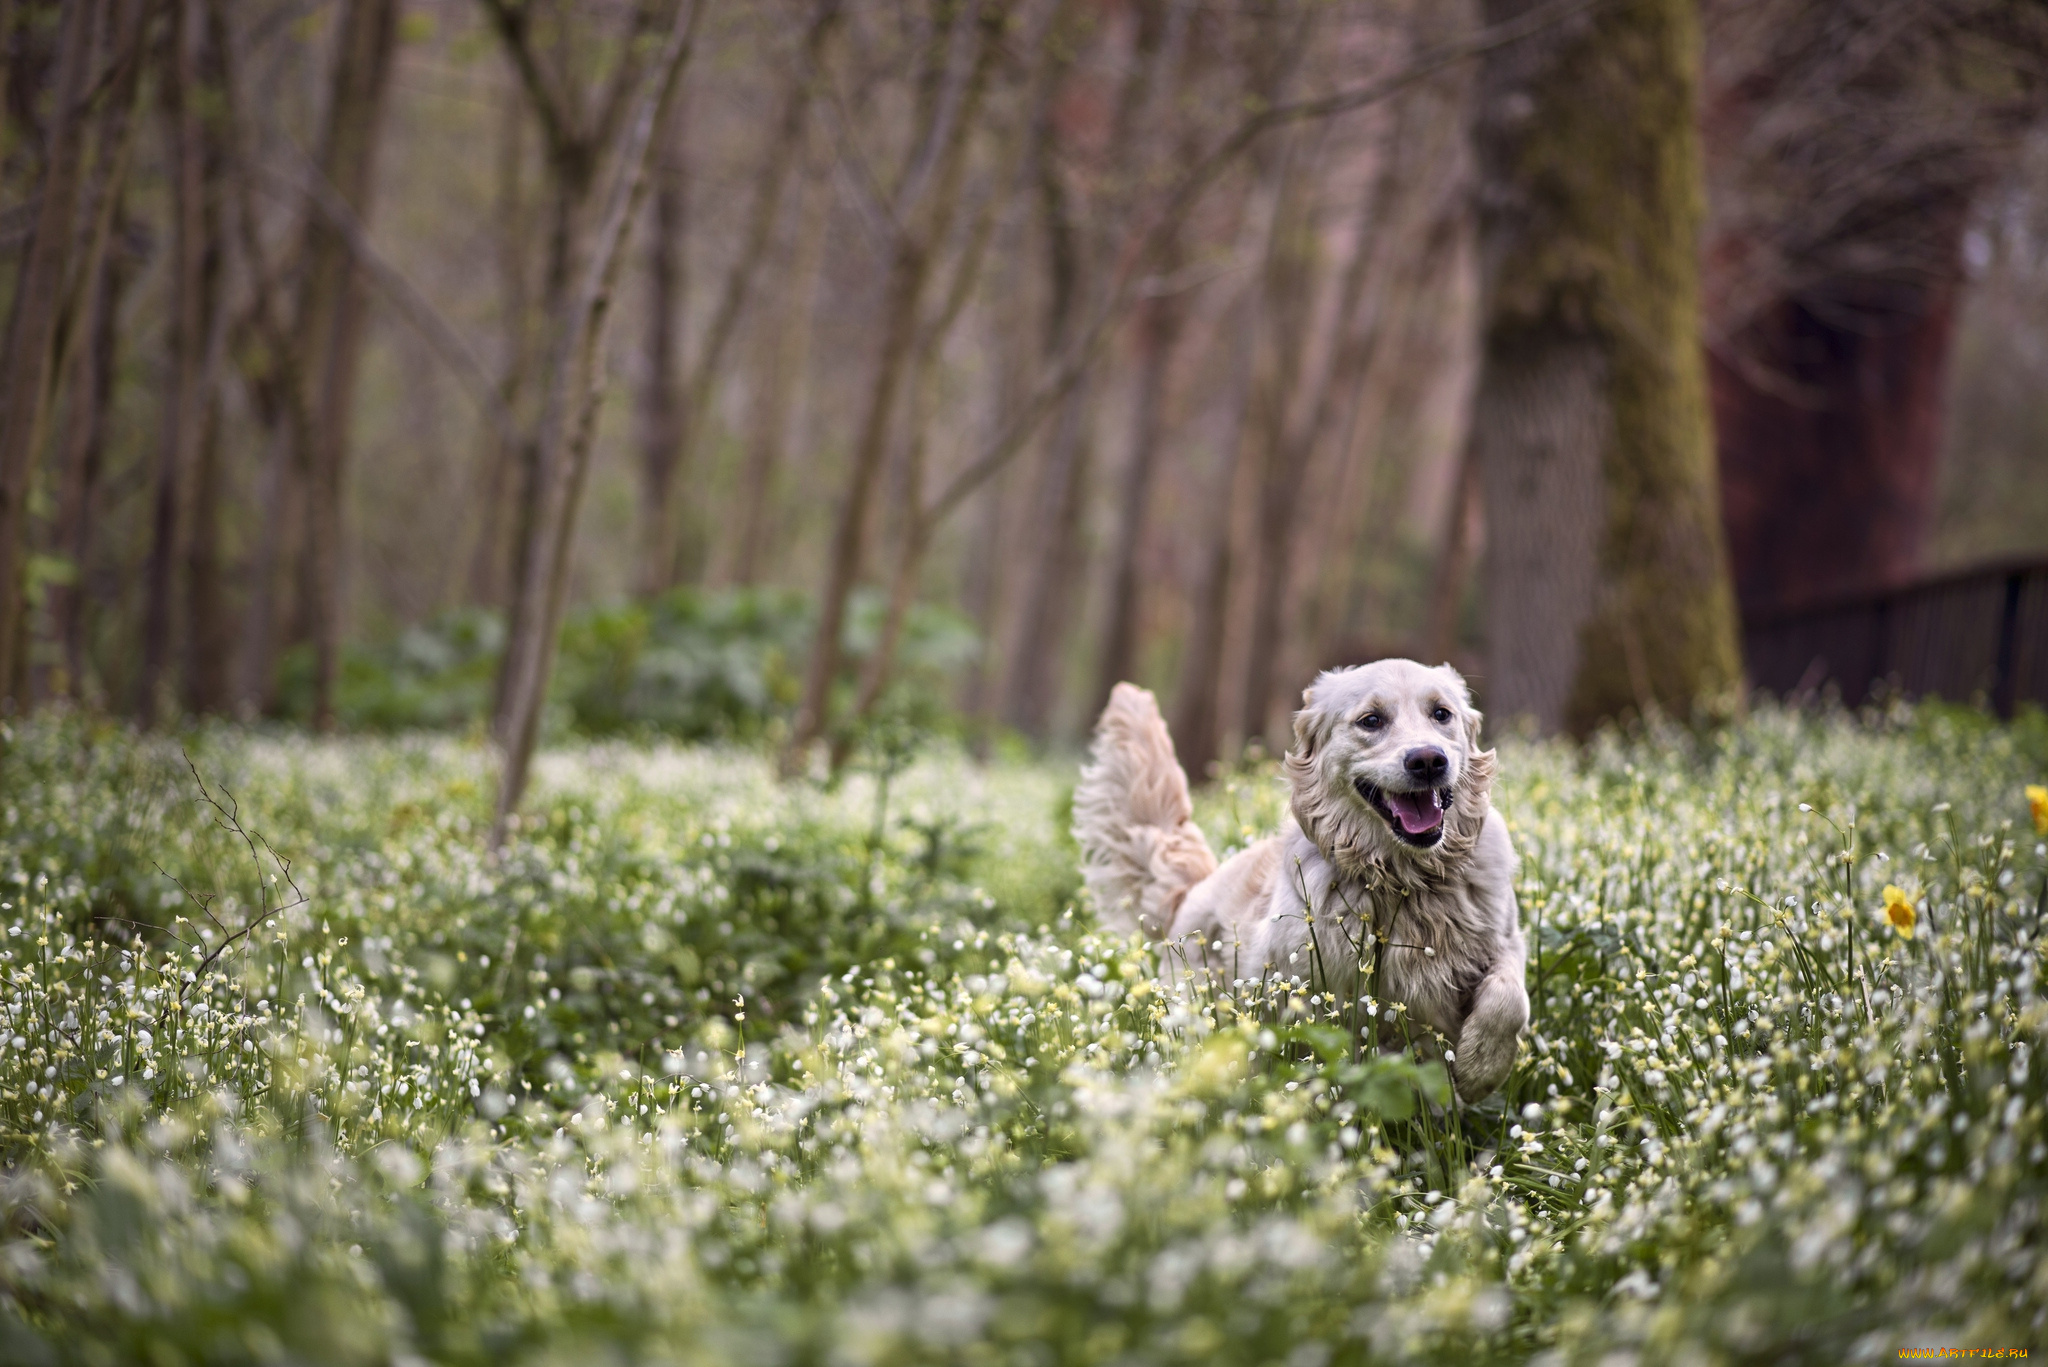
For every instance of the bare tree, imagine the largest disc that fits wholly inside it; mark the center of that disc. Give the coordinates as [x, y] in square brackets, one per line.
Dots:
[330, 316]
[661, 400]
[918, 215]
[502, 458]
[1417, 330]
[781, 356]
[266, 357]
[82, 458]
[36, 314]
[207, 646]
[561, 443]
[1157, 330]
[1286, 437]
[915, 534]
[1033, 659]
[1161, 38]
[1197, 714]
[578, 127]
[1147, 238]
[88, 341]
[1396, 252]
[676, 415]
[194, 282]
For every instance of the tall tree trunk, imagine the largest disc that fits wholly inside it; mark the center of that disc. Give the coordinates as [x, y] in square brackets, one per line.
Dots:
[573, 155]
[277, 394]
[83, 457]
[1158, 329]
[90, 351]
[486, 585]
[1038, 654]
[661, 401]
[990, 573]
[568, 425]
[1606, 583]
[1416, 332]
[782, 354]
[183, 411]
[980, 600]
[330, 321]
[35, 319]
[680, 541]
[280, 512]
[849, 536]
[208, 641]
[1454, 563]
[1198, 720]
[1077, 257]
[917, 522]
[924, 228]
[850, 529]
[573, 178]
[1286, 444]
[1197, 715]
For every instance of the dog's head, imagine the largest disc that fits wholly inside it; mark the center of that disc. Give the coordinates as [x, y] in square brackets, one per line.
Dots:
[1386, 767]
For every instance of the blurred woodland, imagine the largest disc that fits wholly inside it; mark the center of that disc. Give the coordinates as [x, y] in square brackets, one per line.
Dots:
[592, 356]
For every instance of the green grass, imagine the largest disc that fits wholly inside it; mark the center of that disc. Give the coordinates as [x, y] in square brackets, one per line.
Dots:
[709, 1069]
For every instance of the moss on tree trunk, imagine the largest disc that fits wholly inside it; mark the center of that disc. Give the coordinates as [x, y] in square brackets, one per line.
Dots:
[1607, 583]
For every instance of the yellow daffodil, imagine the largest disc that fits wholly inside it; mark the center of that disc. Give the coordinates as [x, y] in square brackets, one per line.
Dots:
[2037, 801]
[1898, 910]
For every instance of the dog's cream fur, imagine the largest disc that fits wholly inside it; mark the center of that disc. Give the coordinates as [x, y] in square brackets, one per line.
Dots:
[1444, 913]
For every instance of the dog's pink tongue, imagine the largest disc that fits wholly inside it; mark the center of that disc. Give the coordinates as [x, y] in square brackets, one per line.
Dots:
[1416, 811]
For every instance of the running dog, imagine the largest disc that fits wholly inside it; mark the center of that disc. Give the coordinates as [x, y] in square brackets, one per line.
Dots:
[1394, 849]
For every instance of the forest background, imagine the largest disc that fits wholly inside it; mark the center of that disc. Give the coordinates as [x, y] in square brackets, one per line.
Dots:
[797, 364]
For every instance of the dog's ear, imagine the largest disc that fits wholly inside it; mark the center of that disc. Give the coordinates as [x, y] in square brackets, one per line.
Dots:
[1473, 716]
[1311, 732]
[1311, 729]
[1308, 726]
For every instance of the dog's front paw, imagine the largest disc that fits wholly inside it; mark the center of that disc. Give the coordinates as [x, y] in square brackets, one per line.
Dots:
[1486, 1043]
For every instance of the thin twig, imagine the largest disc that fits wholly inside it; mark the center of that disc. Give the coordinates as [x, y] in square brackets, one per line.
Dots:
[227, 816]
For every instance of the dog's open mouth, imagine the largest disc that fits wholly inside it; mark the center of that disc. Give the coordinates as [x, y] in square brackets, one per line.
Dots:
[1417, 817]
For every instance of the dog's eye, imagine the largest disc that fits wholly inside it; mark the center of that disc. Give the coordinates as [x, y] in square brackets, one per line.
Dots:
[1441, 715]
[1372, 721]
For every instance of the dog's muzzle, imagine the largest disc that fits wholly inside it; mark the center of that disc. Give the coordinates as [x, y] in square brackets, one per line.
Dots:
[1417, 817]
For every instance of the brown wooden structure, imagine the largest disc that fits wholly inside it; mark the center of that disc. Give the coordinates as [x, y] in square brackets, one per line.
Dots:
[1974, 634]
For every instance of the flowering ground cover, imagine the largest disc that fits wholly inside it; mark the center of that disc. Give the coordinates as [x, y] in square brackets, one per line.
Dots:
[704, 1068]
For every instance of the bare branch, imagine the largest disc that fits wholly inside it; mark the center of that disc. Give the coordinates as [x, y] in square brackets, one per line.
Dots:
[557, 120]
[429, 322]
[787, 140]
[1130, 277]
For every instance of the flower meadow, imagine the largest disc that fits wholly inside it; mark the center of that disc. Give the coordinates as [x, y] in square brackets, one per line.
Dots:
[704, 1068]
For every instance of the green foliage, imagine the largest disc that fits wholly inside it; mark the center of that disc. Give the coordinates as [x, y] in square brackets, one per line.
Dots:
[434, 677]
[691, 664]
[710, 1069]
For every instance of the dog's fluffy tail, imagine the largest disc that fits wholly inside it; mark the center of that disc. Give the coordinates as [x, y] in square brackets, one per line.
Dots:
[1140, 852]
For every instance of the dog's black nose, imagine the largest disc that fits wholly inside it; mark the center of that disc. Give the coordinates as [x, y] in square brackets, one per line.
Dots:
[1427, 764]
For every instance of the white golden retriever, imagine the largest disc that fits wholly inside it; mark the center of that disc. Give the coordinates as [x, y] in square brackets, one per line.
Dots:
[1394, 839]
